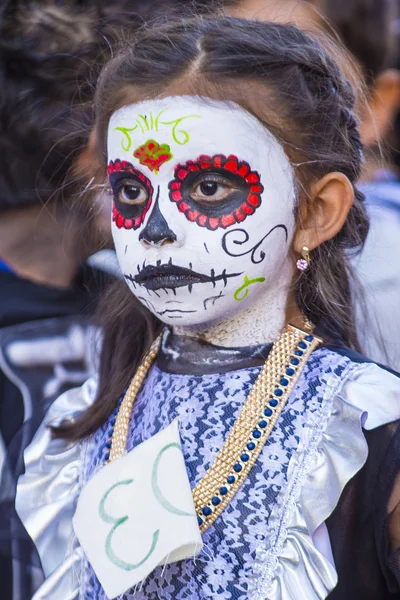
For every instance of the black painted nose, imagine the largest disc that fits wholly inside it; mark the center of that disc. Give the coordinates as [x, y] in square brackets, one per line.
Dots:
[157, 231]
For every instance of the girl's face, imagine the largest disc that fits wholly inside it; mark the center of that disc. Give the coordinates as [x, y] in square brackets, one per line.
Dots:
[203, 207]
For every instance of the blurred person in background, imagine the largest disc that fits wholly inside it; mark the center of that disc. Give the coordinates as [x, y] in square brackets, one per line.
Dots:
[50, 56]
[239, 87]
[367, 28]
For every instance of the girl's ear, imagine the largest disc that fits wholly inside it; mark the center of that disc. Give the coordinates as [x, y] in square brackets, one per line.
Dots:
[323, 216]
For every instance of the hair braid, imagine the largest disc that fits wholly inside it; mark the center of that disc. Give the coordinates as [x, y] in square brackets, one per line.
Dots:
[294, 87]
[323, 292]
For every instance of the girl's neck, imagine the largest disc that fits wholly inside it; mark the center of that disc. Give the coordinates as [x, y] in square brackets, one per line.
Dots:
[260, 323]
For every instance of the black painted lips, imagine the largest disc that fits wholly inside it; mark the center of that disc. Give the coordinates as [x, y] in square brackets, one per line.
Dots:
[173, 276]
[168, 276]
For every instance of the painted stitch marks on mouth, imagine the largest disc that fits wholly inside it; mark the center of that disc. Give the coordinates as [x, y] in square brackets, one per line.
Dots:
[169, 312]
[242, 237]
[168, 276]
[244, 200]
[145, 123]
[212, 300]
[153, 155]
[147, 303]
[172, 313]
[117, 172]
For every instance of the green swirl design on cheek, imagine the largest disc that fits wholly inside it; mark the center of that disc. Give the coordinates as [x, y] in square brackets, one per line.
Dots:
[243, 290]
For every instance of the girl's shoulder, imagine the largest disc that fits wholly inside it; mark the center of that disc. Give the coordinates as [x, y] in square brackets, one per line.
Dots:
[350, 418]
[371, 388]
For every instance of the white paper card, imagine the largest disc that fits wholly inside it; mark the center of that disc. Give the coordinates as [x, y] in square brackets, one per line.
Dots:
[137, 513]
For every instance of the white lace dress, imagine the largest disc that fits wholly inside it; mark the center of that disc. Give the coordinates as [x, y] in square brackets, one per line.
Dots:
[272, 541]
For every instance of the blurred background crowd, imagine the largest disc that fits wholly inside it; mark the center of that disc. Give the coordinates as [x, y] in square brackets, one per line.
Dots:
[56, 258]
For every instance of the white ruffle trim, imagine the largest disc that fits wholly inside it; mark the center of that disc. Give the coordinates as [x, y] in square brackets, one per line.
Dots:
[296, 562]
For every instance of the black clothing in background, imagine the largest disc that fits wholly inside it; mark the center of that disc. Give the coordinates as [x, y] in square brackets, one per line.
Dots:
[368, 567]
[34, 314]
[24, 301]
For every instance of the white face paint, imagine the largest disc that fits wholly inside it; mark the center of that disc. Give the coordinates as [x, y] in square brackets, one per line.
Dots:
[203, 214]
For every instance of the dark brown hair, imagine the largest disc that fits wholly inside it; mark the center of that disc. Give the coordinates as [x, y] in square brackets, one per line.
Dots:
[294, 87]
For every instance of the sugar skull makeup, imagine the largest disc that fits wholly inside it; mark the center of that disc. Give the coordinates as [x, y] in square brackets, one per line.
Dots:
[203, 199]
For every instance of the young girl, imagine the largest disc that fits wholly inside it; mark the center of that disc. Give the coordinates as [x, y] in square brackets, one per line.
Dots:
[235, 445]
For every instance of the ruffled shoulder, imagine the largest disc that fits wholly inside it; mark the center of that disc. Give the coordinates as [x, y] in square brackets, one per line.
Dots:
[47, 494]
[297, 561]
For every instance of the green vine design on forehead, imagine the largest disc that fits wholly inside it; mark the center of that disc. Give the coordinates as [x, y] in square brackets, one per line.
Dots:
[243, 290]
[152, 123]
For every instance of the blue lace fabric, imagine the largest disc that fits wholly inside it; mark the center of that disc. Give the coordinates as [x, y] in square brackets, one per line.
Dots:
[207, 406]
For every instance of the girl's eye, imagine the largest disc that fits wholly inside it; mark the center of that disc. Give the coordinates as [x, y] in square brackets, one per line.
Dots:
[132, 193]
[210, 190]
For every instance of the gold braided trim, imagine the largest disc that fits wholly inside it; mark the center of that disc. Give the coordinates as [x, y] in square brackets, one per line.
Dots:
[263, 391]
[247, 422]
[121, 427]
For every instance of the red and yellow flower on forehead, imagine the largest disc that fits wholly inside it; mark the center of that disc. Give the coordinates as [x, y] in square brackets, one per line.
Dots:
[153, 155]
[222, 164]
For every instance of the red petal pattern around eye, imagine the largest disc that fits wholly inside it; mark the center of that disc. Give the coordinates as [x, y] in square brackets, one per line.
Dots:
[243, 170]
[240, 215]
[183, 206]
[119, 220]
[205, 162]
[253, 200]
[181, 173]
[231, 164]
[227, 220]
[252, 177]
[192, 215]
[176, 196]
[202, 220]
[218, 161]
[246, 208]
[213, 222]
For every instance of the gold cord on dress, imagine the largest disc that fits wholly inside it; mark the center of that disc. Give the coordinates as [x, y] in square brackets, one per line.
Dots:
[251, 429]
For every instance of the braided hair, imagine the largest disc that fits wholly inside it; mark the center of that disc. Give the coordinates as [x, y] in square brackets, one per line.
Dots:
[294, 87]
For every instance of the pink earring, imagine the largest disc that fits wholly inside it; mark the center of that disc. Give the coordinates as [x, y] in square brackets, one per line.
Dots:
[303, 263]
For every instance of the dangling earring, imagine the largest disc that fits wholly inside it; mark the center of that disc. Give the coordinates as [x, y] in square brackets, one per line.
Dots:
[303, 263]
